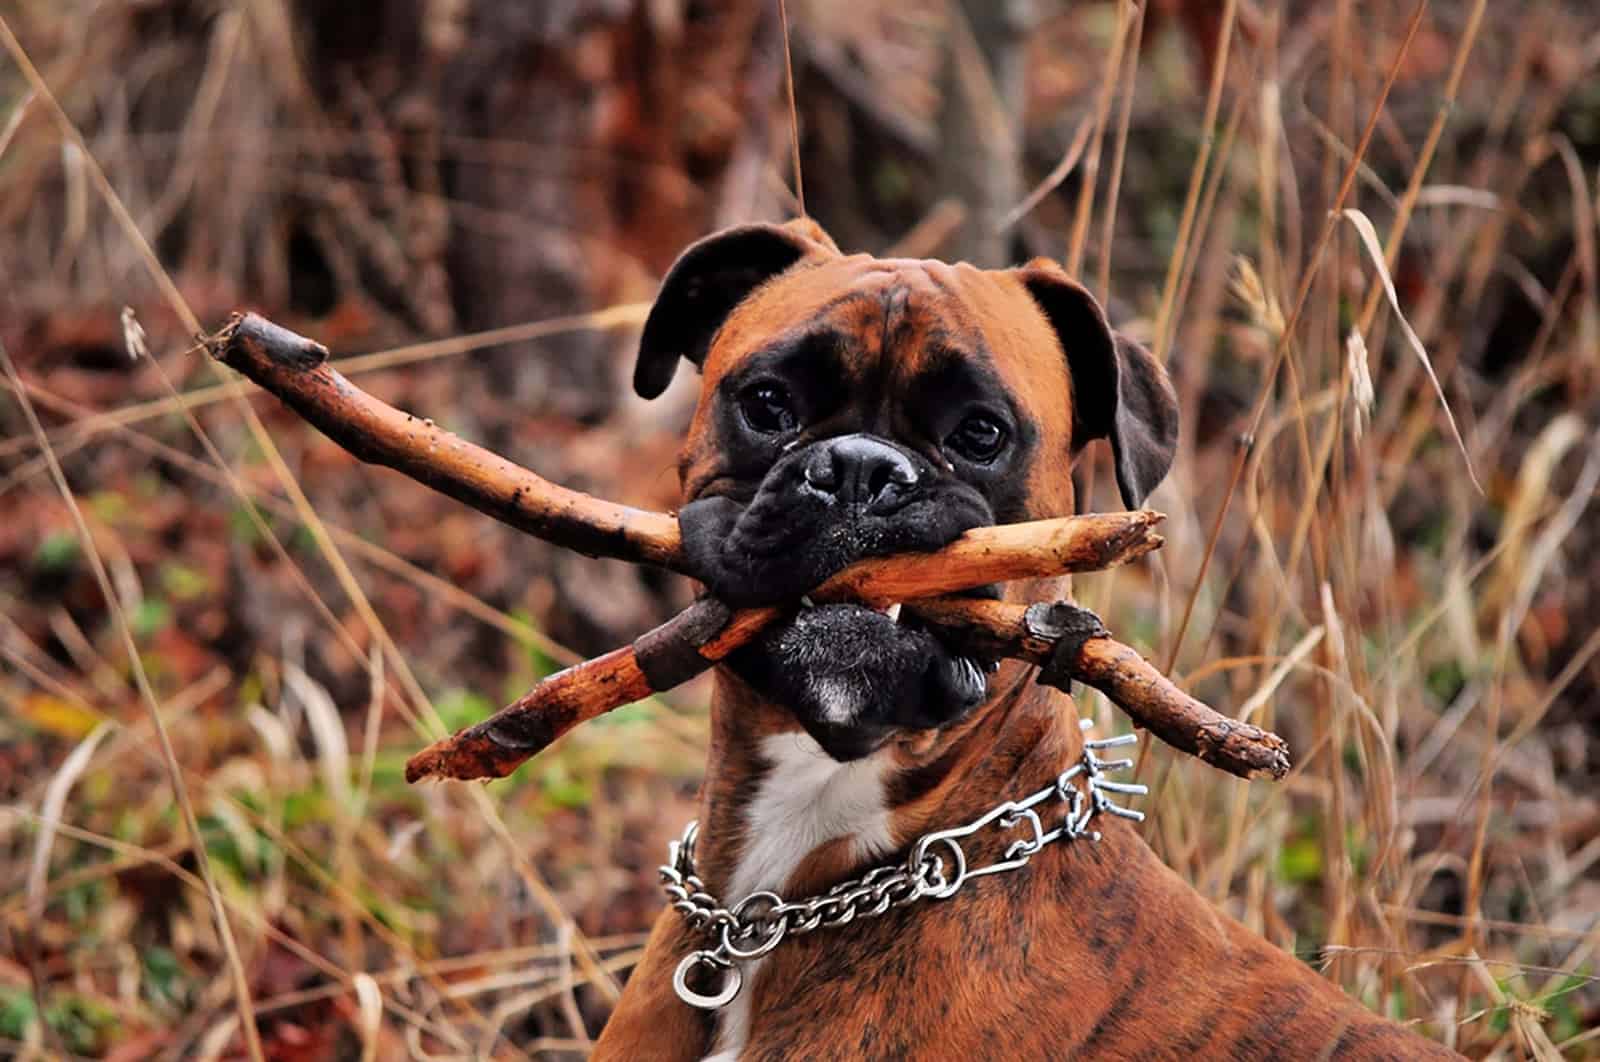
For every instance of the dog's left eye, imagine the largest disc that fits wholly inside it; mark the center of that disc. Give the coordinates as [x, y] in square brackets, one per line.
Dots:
[978, 438]
[767, 408]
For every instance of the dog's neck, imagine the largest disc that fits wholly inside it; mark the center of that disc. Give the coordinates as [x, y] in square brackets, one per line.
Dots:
[778, 814]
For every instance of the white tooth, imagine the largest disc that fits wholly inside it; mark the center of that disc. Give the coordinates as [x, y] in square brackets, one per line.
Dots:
[893, 612]
[807, 602]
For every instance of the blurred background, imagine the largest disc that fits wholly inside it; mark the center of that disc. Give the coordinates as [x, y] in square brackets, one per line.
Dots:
[1382, 534]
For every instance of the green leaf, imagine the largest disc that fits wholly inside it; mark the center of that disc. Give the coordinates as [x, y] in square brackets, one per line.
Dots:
[16, 1012]
[151, 616]
[184, 582]
[1301, 861]
[57, 554]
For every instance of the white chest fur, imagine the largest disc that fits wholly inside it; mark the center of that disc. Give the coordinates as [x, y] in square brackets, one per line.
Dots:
[805, 800]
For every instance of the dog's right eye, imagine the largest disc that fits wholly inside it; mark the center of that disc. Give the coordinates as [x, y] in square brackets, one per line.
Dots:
[767, 408]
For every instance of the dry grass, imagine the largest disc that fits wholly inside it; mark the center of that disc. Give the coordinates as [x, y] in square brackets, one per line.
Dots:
[1365, 236]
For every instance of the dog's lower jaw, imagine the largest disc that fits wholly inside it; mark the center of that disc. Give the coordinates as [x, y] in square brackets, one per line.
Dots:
[854, 677]
[804, 800]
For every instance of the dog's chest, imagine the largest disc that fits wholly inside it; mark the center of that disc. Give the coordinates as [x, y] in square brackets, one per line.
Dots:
[805, 800]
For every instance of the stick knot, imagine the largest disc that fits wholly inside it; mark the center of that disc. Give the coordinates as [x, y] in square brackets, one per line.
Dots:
[1068, 626]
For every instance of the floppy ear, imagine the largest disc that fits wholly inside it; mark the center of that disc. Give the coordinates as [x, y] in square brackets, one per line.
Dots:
[1119, 391]
[706, 283]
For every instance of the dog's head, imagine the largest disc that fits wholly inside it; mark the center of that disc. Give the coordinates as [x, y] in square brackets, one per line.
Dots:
[855, 407]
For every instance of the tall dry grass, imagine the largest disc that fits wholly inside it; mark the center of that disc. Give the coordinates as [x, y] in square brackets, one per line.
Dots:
[1364, 238]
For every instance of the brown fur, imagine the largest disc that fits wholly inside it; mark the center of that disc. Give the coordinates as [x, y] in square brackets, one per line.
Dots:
[1091, 951]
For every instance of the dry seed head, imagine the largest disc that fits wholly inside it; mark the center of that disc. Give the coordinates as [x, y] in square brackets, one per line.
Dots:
[1360, 381]
[1247, 287]
[133, 337]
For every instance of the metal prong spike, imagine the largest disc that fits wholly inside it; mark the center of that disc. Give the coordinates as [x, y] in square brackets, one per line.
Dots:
[1114, 765]
[1122, 812]
[1122, 787]
[1112, 742]
[1094, 836]
[1085, 724]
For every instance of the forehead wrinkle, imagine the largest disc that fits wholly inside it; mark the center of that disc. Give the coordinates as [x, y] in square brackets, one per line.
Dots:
[941, 333]
[970, 358]
[788, 345]
[749, 332]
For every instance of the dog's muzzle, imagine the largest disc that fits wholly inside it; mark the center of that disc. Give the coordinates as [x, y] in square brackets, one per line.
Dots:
[850, 674]
[818, 509]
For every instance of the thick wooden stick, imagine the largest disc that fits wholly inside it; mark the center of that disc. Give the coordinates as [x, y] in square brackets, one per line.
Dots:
[296, 370]
[699, 637]
[1026, 632]
[1036, 549]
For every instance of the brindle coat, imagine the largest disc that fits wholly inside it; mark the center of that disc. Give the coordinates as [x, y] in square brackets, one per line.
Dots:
[1091, 951]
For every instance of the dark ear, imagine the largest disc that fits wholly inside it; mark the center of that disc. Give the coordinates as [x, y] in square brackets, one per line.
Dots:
[1119, 391]
[705, 284]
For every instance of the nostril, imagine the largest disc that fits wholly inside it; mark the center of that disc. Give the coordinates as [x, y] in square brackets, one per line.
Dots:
[882, 476]
[877, 480]
[903, 473]
[891, 474]
[820, 471]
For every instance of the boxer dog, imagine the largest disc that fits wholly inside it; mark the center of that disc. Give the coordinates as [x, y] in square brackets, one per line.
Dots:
[851, 407]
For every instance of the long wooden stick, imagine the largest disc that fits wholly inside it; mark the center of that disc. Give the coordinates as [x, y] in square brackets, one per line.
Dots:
[697, 638]
[296, 370]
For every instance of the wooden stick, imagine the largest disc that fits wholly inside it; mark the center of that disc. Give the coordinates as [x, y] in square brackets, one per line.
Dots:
[1036, 549]
[1026, 632]
[296, 370]
[698, 637]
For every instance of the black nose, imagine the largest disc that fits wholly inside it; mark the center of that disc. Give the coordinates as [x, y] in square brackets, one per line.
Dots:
[861, 470]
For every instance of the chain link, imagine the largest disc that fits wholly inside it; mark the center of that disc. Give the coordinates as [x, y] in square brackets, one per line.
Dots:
[936, 868]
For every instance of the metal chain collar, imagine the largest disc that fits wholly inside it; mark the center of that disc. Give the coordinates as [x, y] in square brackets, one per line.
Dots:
[935, 869]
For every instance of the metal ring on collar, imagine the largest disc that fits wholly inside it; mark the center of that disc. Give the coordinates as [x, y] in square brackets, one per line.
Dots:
[958, 865]
[769, 934]
[732, 981]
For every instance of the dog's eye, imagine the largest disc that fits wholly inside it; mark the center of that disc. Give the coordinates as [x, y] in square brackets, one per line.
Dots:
[978, 438]
[767, 409]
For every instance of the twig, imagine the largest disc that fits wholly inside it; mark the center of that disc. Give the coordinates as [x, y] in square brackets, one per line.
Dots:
[295, 369]
[706, 632]
[1031, 632]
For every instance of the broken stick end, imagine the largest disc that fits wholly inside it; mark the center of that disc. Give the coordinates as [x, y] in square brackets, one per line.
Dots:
[1273, 762]
[1244, 750]
[1279, 765]
[249, 338]
[466, 757]
[217, 342]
